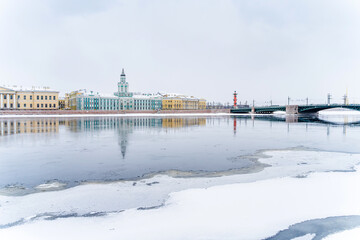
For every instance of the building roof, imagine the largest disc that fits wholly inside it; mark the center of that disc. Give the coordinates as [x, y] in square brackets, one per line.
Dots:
[146, 96]
[29, 89]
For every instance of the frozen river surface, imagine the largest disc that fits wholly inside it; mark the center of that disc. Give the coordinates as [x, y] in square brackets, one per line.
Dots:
[194, 177]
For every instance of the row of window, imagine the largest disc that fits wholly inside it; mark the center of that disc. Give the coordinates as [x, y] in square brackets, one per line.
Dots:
[31, 123]
[46, 105]
[30, 105]
[42, 97]
[96, 107]
[102, 101]
[31, 97]
[175, 105]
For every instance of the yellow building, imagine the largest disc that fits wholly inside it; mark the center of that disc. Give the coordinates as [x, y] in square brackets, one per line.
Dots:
[64, 102]
[72, 99]
[202, 104]
[18, 98]
[181, 102]
[61, 103]
[172, 103]
[190, 103]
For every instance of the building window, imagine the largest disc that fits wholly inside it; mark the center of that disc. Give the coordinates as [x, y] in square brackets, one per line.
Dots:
[54, 98]
[4, 96]
[42, 105]
[24, 105]
[11, 105]
[54, 105]
[24, 97]
[18, 105]
[45, 104]
[38, 106]
[30, 97]
[18, 96]
[42, 97]
[45, 97]
[37, 97]
[11, 96]
[49, 98]
[30, 105]
[5, 105]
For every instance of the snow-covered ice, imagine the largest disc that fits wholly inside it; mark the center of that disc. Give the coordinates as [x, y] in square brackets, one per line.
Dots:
[298, 186]
[348, 234]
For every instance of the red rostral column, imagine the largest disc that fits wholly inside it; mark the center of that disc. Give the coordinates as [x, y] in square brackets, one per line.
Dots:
[235, 99]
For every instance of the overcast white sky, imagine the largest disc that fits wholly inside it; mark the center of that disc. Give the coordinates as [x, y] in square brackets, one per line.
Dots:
[208, 48]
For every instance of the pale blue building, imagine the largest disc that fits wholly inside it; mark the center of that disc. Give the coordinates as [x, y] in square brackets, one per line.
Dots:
[120, 100]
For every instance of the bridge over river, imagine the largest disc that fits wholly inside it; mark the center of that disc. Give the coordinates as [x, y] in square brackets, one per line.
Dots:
[293, 109]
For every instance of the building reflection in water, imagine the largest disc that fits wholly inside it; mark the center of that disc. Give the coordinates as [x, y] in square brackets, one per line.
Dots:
[126, 126]
[123, 126]
[21, 126]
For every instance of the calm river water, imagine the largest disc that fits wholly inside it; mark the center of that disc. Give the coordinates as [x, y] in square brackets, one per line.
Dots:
[72, 150]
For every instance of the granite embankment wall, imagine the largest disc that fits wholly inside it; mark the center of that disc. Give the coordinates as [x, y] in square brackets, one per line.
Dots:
[76, 112]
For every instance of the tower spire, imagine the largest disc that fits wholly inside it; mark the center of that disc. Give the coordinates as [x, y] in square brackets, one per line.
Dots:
[123, 72]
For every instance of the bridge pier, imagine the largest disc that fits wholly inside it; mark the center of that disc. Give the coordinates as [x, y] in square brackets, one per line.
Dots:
[292, 119]
[292, 109]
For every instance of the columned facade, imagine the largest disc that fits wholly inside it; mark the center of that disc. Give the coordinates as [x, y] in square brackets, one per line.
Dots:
[27, 99]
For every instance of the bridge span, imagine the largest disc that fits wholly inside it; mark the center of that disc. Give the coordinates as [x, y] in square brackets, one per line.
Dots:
[293, 109]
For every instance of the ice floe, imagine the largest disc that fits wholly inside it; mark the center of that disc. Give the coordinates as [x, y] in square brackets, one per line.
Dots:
[51, 186]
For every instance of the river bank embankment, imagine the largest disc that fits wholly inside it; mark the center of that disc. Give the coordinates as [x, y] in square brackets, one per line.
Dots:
[110, 112]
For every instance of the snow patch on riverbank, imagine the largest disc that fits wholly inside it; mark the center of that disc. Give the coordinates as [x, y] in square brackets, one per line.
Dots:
[236, 211]
[299, 186]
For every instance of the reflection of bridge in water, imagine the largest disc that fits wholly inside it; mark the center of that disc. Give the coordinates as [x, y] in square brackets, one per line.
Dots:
[294, 109]
[289, 119]
[299, 119]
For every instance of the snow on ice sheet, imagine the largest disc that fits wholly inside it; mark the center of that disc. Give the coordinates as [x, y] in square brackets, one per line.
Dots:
[254, 206]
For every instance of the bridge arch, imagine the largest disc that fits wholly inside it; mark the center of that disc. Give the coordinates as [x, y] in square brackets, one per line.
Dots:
[318, 108]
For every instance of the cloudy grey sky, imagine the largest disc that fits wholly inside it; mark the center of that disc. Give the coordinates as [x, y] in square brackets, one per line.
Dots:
[208, 48]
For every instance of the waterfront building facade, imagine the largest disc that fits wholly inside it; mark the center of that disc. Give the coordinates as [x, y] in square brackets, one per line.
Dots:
[81, 100]
[28, 99]
[123, 99]
[202, 104]
[172, 103]
[182, 102]
[120, 100]
[64, 102]
[147, 102]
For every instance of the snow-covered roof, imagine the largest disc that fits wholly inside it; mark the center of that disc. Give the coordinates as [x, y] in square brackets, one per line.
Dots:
[30, 89]
[147, 96]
